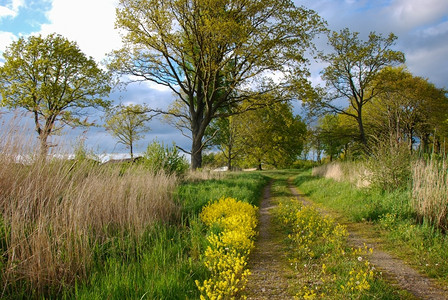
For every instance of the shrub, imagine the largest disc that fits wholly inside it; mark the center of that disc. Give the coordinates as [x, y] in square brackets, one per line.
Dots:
[159, 157]
[390, 165]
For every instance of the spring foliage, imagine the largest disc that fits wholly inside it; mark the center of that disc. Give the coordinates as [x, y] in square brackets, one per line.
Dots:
[232, 225]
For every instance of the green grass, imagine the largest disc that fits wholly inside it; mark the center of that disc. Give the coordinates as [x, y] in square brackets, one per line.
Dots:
[242, 186]
[165, 263]
[392, 216]
[159, 267]
[318, 252]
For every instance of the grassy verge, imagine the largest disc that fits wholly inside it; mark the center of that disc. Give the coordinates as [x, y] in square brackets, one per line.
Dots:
[76, 229]
[169, 261]
[392, 216]
[326, 267]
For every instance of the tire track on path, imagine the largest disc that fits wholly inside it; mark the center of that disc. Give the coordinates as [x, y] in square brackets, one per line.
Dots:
[393, 268]
[269, 272]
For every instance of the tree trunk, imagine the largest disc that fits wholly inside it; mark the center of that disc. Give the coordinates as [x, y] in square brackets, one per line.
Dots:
[196, 153]
[43, 145]
[259, 168]
[229, 159]
[132, 151]
[362, 133]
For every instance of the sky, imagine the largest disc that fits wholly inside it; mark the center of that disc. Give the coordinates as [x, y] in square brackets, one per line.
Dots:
[421, 27]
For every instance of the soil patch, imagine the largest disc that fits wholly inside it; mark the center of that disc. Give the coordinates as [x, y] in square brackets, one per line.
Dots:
[267, 263]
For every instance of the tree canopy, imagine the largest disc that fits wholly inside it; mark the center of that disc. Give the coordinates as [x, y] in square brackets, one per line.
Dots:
[409, 108]
[350, 75]
[214, 54]
[271, 136]
[127, 123]
[51, 78]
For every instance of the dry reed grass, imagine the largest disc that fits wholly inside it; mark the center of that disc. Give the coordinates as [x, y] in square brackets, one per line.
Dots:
[430, 192]
[352, 172]
[53, 213]
[204, 174]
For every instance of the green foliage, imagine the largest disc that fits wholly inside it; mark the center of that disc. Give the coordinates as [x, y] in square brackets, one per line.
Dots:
[271, 135]
[358, 204]
[158, 266]
[333, 135]
[353, 66]
[408, 107]
[304, 164]
[217, 57]
[393, 213]
[51, 78]
[390, 165]
[243, 186]
[127, 123]
[159, 157]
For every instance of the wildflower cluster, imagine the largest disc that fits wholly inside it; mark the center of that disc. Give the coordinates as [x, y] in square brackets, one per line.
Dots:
[320, 254]
[233, 229]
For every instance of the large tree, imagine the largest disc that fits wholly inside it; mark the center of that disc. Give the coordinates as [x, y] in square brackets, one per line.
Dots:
[409, 108]
[271, 136]
[51, 78]
[127, 123]
[350, 75]
[213, 53]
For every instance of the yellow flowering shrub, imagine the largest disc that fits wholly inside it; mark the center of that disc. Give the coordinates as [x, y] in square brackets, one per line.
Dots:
[227, 253]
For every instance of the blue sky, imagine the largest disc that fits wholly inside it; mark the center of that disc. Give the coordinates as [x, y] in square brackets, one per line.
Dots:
[421, 27]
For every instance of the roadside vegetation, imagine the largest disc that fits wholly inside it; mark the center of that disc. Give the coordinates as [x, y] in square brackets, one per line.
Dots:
[410, 219]
[325, 265]
[78, 229]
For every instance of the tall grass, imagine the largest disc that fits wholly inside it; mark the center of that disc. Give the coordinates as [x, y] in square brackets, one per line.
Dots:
[355, 173]
[430, 191]
[57, 215]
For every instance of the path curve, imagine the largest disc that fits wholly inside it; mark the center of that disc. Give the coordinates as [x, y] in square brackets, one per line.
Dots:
[269, 275]
[406, 277]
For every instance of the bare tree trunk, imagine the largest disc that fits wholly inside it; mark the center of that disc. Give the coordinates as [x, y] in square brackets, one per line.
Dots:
[196, 153]
[43, 152]
[132, 151]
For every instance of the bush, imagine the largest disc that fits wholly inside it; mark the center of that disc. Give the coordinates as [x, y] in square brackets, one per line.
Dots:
[159, 157]
[390, 165]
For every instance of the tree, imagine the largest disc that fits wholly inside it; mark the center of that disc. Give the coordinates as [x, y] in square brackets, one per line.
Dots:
[127, 123]
[272, 136]
[409, 107]
[351, 73]
[51, 78]
[213, 53]
[332, 135]
[224, 134]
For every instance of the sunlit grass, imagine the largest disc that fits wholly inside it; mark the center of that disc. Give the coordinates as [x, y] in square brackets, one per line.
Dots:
[393, 216]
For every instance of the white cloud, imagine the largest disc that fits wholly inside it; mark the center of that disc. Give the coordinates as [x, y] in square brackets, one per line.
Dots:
[11, 9]
[7, 12]
[413, 13]
[6, 38]
[88, 22]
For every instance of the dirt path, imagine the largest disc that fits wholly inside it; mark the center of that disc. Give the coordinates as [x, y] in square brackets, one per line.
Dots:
[269, 278]
[394, 269]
